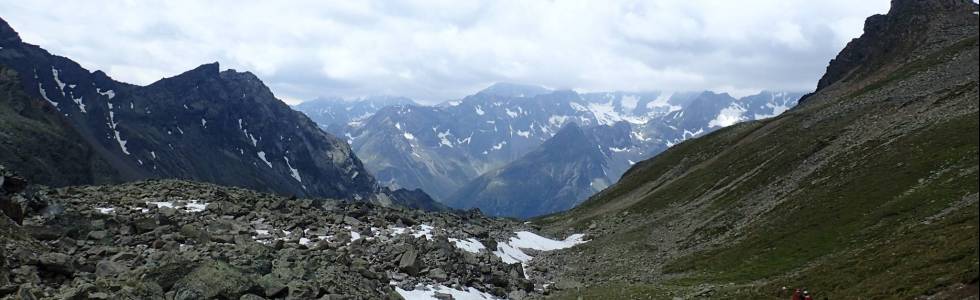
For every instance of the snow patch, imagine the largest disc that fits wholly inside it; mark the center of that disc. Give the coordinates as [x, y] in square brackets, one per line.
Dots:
[262, 156]
[443, 140]
[510, 252]
[428, 292]
[577, 107]
[78, 102]
[471, 245]
[557, 121]
[728, 116]
[292, 171]
[57, 79]
[191, 206]
[108, 93]
[44, 94]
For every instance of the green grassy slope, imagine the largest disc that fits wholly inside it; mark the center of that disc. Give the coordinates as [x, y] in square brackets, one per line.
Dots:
[867, 190]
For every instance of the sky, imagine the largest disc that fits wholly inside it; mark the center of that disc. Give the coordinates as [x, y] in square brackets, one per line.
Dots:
[437, 50]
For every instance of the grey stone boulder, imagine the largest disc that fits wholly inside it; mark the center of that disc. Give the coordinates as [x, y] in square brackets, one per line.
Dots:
[109, 268]
[57, 262]
[409, 261]
[213, 280]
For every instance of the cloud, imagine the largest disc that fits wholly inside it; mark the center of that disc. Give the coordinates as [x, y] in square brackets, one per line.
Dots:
[435, 50]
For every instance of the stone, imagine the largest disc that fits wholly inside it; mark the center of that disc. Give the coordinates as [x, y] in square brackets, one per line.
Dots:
[97, 235]
[57, 262]
[109, 268]
[409, 262]
[251, 297]
[271, 286]
[213, 280]
[438, 274]
[300, 290]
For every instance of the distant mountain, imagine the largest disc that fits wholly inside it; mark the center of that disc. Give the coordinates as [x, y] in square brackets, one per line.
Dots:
[504, 89]
[334, 114]
[441, 148]
[224, 127]
[567, 169]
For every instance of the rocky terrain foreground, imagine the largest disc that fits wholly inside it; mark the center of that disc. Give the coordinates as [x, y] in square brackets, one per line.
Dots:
[169, 239]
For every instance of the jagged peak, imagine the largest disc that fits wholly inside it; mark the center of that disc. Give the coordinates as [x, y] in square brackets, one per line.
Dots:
[7, 33]
[514, 90]
[569, 133]
[904, 28]
[210, 70]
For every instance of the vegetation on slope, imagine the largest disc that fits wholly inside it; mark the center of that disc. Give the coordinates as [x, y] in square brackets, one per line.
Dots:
[868, 190]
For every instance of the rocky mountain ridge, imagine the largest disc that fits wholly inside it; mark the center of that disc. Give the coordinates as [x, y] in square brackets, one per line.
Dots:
[205, 124]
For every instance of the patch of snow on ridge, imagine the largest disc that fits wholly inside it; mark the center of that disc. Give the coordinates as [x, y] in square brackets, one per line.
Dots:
[512, 114]
[663, 100]
[44, 94]
[443, 140]
[510, 252]
[293, 172]
[471, 245]
[261, 155]
[728, 116]
[428, 292]
[79, 103]
[108, 93]
[57, 79]
[777, 108]
[191, 206]
[577, 107]
[112, 125]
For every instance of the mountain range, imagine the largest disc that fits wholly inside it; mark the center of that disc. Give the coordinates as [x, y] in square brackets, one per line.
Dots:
[866, 188]
[205, 124]
[457, 151]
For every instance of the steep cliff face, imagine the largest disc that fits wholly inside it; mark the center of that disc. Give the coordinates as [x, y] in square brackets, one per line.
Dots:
[911, 28]
[56, 154]
[868, 189]
[224, 127]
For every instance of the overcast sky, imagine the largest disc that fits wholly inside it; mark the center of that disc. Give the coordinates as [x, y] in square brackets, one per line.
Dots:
[438, 50]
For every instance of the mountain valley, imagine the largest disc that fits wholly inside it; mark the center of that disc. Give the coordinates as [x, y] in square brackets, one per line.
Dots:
[205, 185]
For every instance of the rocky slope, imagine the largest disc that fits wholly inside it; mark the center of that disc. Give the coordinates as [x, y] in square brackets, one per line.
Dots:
[169, 239]
[57, 155]
[208, 125]
[866, 190]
